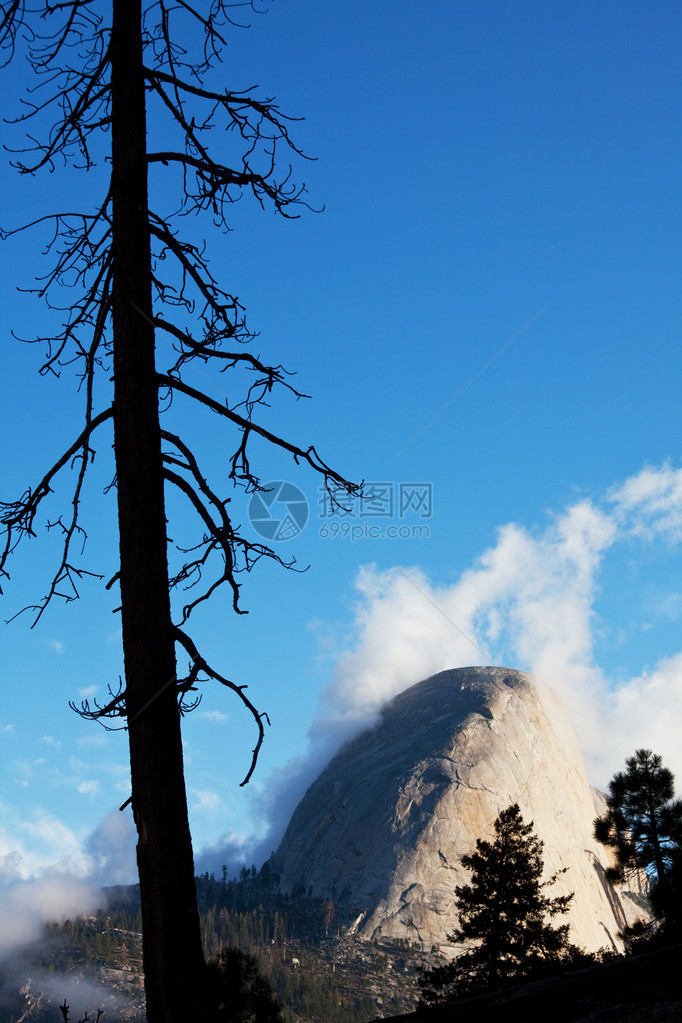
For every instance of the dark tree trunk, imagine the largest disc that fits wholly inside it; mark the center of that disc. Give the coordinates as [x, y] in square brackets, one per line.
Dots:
[173, 958]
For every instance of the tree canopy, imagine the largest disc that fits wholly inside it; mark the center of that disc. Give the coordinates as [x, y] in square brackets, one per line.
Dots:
[505, 917]
[643, 827]
[238, 992]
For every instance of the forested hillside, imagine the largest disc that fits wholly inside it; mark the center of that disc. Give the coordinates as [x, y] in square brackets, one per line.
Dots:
[318, 972]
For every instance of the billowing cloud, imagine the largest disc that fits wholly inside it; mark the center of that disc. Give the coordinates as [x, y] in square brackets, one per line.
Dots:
[528, 602]
[650, 503]
[62, 875]
[26, 905]
[110, 850]
[53, 844]
[82, 997]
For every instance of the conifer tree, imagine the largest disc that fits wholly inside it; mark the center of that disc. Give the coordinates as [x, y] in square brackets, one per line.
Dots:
[238, 992]
[505, 918]
[643, 826]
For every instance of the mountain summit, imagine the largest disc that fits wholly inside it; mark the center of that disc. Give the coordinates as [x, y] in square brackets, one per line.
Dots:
[382, 831]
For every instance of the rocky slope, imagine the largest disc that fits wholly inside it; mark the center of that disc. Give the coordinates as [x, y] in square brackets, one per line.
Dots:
[381, 832]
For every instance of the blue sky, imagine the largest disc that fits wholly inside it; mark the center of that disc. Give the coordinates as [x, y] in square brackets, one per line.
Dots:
[488, 307]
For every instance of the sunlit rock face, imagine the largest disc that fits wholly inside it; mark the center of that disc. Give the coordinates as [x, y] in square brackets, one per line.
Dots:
[383, 829]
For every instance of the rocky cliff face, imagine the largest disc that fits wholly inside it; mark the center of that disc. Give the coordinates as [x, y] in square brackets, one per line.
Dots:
[382, 830]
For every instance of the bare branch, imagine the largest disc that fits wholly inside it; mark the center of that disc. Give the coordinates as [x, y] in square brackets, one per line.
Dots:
[259, 123]
[18, 517]
[216, 538]
[203, 665]
[82, 95]
[333, 480]
[238, 554]
[114, 708]
[208, 348]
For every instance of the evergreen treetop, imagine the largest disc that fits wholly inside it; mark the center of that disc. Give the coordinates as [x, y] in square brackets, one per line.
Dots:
[643, 826]
[504, 916]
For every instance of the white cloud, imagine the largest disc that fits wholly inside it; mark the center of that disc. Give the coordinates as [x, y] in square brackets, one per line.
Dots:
[528, 602]
[214, 715]
[650, 503]
[645, 711]
[48, 872]
[668, 607]
[10, 867]
[26, 905]
[207, 799]
[50, 740]
[95, 739]
[27, 769]
[89, 787]
[36, 841]
[111, 849]
[56, 645]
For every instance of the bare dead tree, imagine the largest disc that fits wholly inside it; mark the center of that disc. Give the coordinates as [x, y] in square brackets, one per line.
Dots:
[85, 1018]
[135, 278]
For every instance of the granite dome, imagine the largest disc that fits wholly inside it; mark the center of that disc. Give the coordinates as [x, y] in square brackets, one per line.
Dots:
[382, 830]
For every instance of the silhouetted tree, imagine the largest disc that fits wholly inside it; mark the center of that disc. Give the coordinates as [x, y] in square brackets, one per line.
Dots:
[135, 277]
[238, 992]
[666, 901]
[643, 826]
[504, 916]
[86, 1018]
